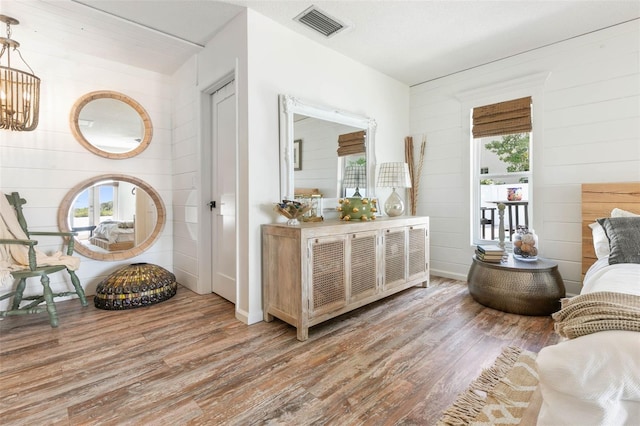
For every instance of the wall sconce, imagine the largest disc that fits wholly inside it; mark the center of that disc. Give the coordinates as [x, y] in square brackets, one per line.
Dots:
[394, 175]
[354, 177]
[19, 90]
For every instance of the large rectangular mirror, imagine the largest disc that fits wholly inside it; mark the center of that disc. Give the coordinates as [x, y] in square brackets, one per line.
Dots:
[309, 144]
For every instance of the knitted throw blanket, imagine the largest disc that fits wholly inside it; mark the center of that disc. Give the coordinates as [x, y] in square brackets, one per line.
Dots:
[598, 311]
[15, 257]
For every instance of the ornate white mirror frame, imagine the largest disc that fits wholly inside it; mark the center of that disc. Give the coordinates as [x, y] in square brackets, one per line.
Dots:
[67, 205]
[289, 107]
[112, 120]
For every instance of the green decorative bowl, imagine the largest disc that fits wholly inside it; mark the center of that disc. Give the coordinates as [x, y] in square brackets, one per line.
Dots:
[357, 208]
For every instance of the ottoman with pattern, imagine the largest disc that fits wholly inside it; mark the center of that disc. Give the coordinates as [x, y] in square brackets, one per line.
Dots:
[135, 286]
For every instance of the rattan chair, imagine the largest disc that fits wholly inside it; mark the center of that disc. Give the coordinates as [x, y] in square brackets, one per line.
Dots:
[33, 269]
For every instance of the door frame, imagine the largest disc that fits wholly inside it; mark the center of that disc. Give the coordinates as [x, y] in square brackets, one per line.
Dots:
[206, 176]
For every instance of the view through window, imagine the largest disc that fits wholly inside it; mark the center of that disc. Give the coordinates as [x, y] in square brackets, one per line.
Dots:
[93, 206]
[502, 138]
[504, 173]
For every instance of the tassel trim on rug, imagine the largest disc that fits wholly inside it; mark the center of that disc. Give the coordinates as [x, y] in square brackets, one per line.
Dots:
[471, 402]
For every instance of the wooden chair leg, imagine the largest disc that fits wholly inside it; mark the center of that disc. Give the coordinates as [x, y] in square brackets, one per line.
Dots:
[493, 221]
[17, 296]
[48, 298]
[78, 287]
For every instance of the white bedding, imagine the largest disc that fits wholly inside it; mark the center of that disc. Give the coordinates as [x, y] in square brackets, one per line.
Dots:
[114, 231]
[594, 379]
[621, 278]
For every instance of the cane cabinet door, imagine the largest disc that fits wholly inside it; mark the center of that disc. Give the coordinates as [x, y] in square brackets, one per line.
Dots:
[418, 251]
[327, 283]
[363, 265]
[395, 257]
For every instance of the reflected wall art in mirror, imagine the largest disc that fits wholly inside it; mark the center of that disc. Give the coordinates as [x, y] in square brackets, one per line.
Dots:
[116, 216]
[111, 124]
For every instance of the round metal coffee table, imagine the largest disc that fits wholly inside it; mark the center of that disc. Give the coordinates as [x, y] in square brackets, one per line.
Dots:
[516, 286]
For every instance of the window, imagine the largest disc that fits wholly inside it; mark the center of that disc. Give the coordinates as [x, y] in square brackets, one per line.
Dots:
[93, 206]
[502, 137]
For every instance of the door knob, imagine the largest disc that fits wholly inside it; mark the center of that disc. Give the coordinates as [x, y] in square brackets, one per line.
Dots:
[212, 205]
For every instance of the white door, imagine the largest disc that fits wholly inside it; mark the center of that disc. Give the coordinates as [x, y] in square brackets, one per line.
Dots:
[223, 225]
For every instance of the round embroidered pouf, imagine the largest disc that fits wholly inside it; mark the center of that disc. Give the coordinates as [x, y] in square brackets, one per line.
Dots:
[135, 286]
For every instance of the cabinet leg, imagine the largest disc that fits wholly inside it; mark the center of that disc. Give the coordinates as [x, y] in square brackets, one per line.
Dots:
[268, 317]
[302, 333]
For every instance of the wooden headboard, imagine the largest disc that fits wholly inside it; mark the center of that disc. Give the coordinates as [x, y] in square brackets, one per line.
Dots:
[598, 199]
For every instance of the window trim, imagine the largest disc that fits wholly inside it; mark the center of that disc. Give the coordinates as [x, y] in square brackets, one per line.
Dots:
[530, 85]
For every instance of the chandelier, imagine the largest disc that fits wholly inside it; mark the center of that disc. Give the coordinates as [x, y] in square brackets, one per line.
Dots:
[19, 90]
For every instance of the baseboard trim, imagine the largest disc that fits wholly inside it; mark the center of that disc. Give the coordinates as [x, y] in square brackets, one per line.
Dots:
[249, 319]
[450, 275]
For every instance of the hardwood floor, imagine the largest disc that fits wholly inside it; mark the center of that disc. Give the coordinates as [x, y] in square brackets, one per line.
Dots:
[188, 361]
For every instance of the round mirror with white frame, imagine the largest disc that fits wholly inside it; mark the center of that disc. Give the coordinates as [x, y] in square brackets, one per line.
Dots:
[111, 124]
[116, 217]
[292, 111]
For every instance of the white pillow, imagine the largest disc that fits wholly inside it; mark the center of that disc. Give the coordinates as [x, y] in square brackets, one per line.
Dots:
[622, 213]
[600, 240]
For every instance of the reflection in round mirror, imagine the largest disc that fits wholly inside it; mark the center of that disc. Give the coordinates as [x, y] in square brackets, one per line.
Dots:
[116, 217]
[111, 124]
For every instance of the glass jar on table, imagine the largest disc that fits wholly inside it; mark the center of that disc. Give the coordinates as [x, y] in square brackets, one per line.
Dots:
[525, 244]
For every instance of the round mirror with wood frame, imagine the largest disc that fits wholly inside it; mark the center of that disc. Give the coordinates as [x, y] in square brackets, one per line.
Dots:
[111, 124]
[144, 228]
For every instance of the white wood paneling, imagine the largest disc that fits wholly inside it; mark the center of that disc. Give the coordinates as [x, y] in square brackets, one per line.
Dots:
[588, 131]
[268, 60]
[44, 164]
[621, 129]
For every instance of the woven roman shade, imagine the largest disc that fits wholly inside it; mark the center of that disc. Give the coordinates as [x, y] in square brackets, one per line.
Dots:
[351, 143]
[503, 118]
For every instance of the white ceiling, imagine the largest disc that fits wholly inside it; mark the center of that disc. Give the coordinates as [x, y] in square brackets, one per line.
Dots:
[412, 41]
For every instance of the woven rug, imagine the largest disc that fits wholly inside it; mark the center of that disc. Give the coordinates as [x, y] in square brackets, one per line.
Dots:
[500, 395]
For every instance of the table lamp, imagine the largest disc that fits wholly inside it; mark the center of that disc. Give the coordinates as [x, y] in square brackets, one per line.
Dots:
[354, 177]
[394, 175]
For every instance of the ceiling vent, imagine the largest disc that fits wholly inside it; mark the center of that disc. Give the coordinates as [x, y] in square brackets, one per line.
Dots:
[319, 21]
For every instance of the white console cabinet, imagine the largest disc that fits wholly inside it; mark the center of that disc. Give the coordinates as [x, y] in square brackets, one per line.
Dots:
[315, 271]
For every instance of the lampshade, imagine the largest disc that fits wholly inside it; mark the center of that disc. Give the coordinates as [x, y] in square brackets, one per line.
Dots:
[19, 90]
[394, 175]
[354, 176]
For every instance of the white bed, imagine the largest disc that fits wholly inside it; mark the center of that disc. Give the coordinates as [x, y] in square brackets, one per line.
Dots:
[594, 379]
[114, 235]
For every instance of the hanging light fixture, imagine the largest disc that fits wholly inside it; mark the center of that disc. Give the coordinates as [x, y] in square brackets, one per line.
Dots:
[19, 90]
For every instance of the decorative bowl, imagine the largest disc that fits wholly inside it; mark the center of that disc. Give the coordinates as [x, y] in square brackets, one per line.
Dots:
[357, 208]
[292, 210]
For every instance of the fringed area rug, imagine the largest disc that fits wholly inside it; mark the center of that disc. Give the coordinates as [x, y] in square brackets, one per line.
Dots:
[500, 395]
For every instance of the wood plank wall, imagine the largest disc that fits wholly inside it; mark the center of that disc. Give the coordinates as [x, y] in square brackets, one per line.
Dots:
[585, 129]
[45, 164]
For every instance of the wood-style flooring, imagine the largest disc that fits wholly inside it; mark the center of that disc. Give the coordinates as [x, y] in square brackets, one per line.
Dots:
[188, 361]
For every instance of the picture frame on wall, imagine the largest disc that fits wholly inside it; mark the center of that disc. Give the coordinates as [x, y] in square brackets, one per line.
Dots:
[297, 154]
